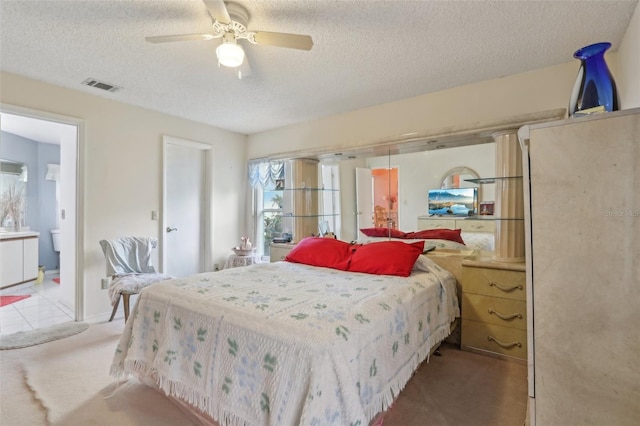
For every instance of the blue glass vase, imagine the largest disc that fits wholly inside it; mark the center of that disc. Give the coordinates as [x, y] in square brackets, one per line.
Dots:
[594, 90]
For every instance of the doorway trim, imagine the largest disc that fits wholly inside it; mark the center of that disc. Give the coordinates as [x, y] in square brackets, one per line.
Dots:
[207, 209]
[79, 190]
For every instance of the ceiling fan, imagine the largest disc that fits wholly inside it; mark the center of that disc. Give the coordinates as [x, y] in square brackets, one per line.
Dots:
[230, 24]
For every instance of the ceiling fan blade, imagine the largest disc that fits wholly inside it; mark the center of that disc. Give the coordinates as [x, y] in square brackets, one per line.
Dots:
[245, 68]
[218, 10]
[292, 41]
[180, 37]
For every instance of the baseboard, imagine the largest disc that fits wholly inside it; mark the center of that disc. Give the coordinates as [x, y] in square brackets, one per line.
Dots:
[52, 272]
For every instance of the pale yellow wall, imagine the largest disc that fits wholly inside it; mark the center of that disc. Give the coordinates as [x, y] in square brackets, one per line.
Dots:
[123, 171]
[540, 90]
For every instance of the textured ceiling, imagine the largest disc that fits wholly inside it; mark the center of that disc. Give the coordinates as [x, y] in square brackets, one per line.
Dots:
[365, 52]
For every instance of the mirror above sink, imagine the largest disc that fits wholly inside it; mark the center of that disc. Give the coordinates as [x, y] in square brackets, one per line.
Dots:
[13, 179]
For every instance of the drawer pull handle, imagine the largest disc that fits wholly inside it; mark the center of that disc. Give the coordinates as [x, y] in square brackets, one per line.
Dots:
[503, 316]
[503, 344]
[503, 288]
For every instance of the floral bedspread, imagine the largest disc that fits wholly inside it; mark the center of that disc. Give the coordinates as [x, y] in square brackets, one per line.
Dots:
[287, 344]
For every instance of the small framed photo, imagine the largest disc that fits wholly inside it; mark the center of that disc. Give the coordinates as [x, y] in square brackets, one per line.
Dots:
[486, 208]
[279, 184]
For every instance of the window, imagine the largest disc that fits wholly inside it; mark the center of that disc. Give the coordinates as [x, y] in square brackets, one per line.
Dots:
[270, 216]
[275, 208]
[267, 180]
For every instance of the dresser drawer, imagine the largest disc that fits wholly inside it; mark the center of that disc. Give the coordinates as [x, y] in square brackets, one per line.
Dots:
[436, 224]
[469, 225]
[494, 338]
[278, 252]
[494, 282]
[495, 310]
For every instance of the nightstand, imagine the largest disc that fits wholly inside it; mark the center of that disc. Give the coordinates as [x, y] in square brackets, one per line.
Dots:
[236, 261]
[494, 307]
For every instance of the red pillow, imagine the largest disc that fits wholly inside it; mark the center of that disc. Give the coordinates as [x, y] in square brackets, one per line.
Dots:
[324, 252]
[386, 258]
[383, 232]
[437, 234]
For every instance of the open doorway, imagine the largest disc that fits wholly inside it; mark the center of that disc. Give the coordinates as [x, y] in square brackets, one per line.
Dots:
[385, 197]
[377, 197]
[48, 145]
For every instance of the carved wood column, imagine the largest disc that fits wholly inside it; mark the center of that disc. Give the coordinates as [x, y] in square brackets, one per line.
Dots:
[509, 202]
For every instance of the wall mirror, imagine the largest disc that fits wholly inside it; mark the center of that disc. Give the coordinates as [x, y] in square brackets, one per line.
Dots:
[456, 178]
[13, 188]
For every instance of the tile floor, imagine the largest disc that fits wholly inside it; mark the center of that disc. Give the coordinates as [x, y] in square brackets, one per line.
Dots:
[40, 310]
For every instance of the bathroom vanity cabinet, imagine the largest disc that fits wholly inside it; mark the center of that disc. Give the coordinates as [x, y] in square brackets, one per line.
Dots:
[18, 258]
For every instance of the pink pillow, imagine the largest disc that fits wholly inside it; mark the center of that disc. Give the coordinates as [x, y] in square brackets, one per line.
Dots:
[386, 258]
[324, 252]
[437, 234]
[383, 232]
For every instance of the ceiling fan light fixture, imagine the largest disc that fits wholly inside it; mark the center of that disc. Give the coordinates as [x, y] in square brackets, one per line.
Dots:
[230, 54]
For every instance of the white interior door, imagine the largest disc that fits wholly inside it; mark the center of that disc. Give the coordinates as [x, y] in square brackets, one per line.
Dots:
[67, 216]
[185, 223]
[364, 198]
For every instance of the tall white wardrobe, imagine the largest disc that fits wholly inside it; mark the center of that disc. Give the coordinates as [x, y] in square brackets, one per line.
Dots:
[582, 226]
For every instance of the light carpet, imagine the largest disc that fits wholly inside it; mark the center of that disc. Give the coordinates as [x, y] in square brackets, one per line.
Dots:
[66, 382]
[23, 339]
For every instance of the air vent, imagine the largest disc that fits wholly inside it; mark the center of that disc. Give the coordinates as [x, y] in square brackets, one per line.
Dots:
[101, 85]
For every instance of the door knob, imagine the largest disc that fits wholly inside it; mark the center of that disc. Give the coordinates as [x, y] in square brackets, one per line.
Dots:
[169, 229]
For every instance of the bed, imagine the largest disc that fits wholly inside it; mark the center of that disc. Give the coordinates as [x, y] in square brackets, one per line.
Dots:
[450, 239]
[288, 343]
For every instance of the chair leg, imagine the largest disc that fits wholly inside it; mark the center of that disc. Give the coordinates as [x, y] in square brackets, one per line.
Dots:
[115, 308]
[125, 302]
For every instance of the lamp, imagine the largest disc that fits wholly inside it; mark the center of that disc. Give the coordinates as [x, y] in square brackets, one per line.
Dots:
[230, 53]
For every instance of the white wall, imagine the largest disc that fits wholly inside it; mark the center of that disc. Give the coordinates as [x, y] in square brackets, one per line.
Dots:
[628, 74]
[122, 161]
[418, 172]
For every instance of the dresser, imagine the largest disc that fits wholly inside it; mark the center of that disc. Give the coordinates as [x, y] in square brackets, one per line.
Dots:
[18, 258]
[583, 269]
[466, 224]
[494, 307]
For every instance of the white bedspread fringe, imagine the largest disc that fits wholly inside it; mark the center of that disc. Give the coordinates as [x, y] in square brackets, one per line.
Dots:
[381, 403]
[387, 398]
[179, 390]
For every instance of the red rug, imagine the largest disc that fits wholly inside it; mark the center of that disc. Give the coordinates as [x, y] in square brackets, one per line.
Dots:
[56, 280]
[7, 300]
